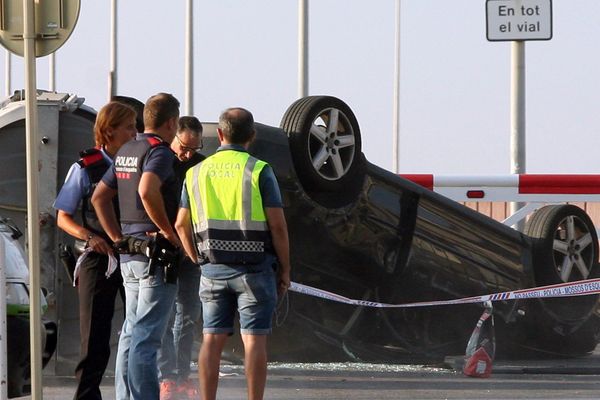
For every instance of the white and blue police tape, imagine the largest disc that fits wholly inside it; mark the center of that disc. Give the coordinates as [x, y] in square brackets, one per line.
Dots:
[578, 288]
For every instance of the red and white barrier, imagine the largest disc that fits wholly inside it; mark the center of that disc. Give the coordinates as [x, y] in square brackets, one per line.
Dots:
[545, 188]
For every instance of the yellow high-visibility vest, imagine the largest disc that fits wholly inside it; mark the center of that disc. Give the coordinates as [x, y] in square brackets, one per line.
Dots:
[226, 208]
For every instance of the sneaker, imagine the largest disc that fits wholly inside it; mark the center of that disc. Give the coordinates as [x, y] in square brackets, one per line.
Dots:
[188, 389]
[168, 390]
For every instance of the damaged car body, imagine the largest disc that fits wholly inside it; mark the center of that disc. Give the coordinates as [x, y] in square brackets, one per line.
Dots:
[365, 233]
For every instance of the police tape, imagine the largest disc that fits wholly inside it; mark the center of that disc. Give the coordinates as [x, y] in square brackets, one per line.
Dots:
[569, 289]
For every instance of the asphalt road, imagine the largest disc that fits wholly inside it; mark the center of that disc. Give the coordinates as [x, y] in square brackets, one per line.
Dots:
[548, 379]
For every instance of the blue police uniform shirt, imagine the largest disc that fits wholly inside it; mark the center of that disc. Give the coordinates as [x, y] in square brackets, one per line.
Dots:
[271, 197]
[160, 162]
[77, 185]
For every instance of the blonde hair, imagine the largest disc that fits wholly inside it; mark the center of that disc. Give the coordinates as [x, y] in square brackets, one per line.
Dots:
[111, 115]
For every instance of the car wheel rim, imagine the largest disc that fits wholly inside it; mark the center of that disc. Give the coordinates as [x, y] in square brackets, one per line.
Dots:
[573, 249]
[331, 144]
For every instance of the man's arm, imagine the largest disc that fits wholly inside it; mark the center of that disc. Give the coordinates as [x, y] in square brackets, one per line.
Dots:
[183, 226]
[279, 234]
[102, 201]
[149, 191]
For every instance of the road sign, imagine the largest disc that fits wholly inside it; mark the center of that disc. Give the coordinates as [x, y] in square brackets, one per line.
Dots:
[508, 20]
[54, 23]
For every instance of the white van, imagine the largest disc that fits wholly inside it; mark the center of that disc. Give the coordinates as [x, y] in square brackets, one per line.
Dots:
[17, 312]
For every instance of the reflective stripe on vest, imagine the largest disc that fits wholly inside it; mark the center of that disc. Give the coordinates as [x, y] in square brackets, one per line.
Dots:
[226, 207]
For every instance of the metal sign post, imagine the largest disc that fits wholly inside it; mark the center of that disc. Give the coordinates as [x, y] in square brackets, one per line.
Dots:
[33, 225]
[112, 74]
[396, 103]
[189, 58]
[517, 116]
[7, 73]
[3, 356]
[34, 30]
[302, 48]
[518, 21]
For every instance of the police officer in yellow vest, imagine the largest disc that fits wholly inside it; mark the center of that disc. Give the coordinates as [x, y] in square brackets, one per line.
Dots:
[231, 208]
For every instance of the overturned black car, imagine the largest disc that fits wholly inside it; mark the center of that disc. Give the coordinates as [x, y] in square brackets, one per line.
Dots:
[366, 233]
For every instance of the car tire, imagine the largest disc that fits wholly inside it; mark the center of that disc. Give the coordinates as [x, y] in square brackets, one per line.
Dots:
[565, 244]
[325, 143]
[565, 249]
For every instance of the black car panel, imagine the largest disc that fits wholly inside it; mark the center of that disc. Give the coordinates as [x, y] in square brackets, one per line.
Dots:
[365, 233]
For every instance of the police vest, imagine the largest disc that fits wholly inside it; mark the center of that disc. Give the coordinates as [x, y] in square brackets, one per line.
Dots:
[226, 207]
[128, 166]
[95, 165]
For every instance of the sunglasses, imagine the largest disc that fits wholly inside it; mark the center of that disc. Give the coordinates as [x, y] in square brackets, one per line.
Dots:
[183, 147]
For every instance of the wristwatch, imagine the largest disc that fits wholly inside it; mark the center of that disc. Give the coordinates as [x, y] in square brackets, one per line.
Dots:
[89, 237]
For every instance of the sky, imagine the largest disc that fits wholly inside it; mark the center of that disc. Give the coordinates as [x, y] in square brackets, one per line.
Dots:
[454, 85]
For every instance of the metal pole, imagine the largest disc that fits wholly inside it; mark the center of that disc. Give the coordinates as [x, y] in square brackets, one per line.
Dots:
[396, 111]
[52, 72]
[33, 226]
[517, 115]
[189, 58]
[7, 73]
[112, 74]
[3, 357]
[302, 48]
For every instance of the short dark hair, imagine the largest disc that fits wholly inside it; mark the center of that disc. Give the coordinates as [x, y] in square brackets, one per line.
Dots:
[237, 125]
[190, 124]
[159, 109]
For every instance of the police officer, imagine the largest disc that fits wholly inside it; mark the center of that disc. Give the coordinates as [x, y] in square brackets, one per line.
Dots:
[238, 224]
[97, 285]
[175, 354]
[143, 178]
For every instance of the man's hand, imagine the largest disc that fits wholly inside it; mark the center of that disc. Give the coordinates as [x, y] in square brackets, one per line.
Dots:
[283, 282]
[172, 238]
[99, 245]
[279, 233]
[183, 226]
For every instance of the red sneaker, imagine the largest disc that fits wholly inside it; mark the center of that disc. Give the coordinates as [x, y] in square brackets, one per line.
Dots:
[168, 390]
[188, 389]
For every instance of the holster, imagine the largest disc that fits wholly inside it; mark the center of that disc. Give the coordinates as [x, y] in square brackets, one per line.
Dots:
[166, 256]
[67, 258]
[78, 247]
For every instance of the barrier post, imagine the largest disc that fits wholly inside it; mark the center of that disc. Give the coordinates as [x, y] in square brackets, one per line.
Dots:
[3, 337]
